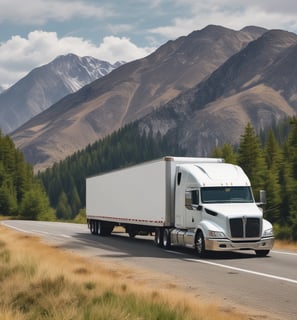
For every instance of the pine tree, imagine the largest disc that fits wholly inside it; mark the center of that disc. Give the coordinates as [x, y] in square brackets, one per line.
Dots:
[34, 203]
[292, 194]
[251, 159]
[226, 152]
[75, 202]
[273, 156]
[63, 208]
[20, 194]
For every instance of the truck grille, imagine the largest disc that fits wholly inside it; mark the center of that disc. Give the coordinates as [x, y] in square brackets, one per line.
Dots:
[245, 227]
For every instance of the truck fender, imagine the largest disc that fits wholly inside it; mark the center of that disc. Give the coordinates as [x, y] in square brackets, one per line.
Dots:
[205, 226]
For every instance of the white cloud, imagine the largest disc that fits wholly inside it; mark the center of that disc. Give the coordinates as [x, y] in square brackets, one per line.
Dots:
[18, 56]
[233, 14]
[115, 48]
[38, 12]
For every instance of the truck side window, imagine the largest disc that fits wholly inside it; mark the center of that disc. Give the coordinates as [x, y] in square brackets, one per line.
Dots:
[191, 199]
[179, 178]
[188, 200]
[195, 197]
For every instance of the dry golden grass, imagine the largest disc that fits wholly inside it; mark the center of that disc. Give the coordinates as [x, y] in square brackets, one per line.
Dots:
[285, 245]
[43, 282]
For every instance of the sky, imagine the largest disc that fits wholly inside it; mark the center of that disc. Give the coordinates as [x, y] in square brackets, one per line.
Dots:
[35, 32]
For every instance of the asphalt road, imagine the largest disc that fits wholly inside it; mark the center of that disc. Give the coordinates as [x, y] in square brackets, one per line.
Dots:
[267, 287]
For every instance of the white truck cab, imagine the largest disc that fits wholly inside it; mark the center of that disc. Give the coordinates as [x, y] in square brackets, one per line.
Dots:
[215, 210]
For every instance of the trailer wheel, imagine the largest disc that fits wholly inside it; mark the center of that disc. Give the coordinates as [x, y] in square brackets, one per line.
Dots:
[96, 227]
[200, 245]
[132, 234]
[262, 253]
[166, 239]
[108, 227]
[93, 226]
[100, 228]
[104, 228]
[159, 237]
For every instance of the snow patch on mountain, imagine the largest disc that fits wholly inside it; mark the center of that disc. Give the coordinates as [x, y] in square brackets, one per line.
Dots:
[46, 85]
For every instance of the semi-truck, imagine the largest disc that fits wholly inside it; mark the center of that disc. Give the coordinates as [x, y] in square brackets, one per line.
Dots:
[202, 203]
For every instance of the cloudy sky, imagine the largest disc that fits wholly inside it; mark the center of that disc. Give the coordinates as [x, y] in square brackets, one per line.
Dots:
[33, 33]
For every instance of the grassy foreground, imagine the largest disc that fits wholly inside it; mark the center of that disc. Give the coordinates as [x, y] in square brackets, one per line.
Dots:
[43, 282]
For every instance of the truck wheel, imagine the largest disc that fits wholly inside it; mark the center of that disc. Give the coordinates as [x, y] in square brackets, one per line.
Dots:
[200, 245]
[159, 237]
[166, 239]
[131, 231]
[132, 234]
[104, 228]
[262, 253]
[100, 228]
[92, 226]
[96, 227]
[108, 227]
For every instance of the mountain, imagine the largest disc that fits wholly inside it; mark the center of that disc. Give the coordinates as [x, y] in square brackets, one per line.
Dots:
[45, 85]
[128, 93]
[256, 85]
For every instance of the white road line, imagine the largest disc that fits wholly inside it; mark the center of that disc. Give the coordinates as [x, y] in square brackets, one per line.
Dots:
[16, 228]
[285, 252]
[52, 234]
[34, 231]
[243, 270]
[41, 232]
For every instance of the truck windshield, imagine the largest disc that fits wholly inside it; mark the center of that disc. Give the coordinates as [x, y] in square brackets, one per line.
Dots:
[226, 194]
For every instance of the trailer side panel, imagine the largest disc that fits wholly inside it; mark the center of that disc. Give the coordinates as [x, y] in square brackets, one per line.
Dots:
[135, 195]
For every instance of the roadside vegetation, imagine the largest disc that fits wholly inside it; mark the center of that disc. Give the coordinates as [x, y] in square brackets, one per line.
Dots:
[21, 193]
[43, 282]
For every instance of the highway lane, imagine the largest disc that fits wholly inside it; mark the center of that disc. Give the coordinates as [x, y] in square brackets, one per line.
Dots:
[265, 286]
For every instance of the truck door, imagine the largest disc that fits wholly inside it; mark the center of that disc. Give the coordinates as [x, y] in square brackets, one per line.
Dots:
[192, 215]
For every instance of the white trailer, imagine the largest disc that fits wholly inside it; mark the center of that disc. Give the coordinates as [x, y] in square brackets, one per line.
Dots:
[202, 203]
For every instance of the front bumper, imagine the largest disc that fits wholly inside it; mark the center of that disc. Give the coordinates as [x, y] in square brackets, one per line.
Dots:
[228, 245]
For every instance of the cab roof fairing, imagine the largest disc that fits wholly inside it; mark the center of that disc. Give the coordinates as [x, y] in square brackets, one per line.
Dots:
[215, 175]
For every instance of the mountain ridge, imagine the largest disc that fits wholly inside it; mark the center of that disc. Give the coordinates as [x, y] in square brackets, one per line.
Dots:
[47, 84]
[241, 90]
[128, 93]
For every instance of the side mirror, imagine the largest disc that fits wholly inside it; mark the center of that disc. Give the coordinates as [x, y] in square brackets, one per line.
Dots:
[262, 197]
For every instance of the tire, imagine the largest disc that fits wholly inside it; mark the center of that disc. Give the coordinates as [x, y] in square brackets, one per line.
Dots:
[166, 241]
[100, 228]
[262, 253]
[132, 234]
[92, 226]
[104, 228]
[131, 231]
[200, 244]
[108, 227]
[159, 237]
[96, 227]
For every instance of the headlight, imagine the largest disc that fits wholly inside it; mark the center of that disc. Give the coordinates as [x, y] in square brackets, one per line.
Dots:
[216, 234]
[268, 233]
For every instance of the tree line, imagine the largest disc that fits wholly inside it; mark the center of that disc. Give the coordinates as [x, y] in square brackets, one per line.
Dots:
[21, 193]
[270, 165]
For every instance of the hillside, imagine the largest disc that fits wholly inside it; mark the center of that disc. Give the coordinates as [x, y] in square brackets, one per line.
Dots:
[249, 87]
[128, 93]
